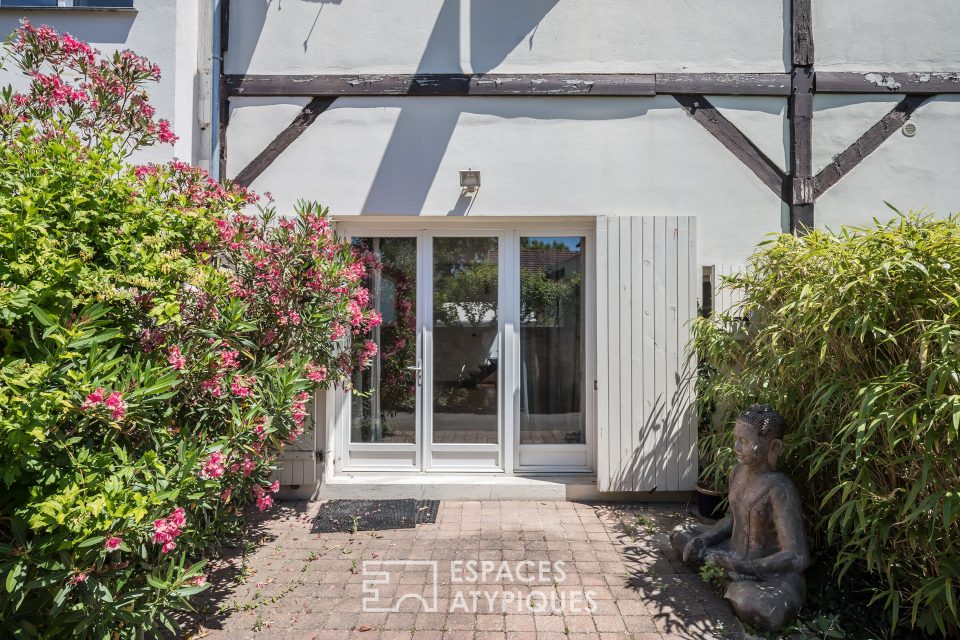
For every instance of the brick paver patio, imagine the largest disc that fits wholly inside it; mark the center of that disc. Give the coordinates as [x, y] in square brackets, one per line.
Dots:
[292, 583]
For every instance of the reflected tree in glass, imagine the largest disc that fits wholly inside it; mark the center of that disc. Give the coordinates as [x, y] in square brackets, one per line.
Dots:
[465, 340]
[552, 385]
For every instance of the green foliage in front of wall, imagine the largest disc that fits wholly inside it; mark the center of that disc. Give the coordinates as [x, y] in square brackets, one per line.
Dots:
[855, 337]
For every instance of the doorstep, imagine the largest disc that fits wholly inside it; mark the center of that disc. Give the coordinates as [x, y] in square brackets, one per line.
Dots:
[376, 486]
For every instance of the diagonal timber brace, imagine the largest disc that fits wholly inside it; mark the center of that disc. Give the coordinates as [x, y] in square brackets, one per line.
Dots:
[283, 140]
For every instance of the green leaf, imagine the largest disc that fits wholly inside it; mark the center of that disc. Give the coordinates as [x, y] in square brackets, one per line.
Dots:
[89, 542]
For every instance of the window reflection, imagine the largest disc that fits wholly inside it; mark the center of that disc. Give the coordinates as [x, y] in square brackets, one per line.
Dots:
[384, 399]
[465, 340]
[552, 379]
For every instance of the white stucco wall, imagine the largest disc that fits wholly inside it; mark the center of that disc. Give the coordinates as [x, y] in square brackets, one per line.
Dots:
[537, 157]
[886, 35]
[910, 173]
[165, 31]
[505, 36]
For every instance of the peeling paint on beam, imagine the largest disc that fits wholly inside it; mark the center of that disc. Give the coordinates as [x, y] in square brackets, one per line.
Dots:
[614, 85]
[745, 84]
[443, 85]
[913, 82]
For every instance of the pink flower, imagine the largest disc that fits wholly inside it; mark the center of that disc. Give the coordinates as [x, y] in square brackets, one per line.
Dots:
[198, 580]
[176, 359]
[337, 331]
[164, 133]
[264, 502]
[228, 359]
[369, 350]
[226, 493]
[115, 401]
[78, 578]
[374, 319]
[166, 530]
[240, 388]
[275, 486]
[316, 373]
[213, 467]
[112, 543]
[213, 386]
[94, 398]
[260, 430]
[248, 465]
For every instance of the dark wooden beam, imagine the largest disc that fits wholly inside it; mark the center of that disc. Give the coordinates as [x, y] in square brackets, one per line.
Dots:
[801, 33]
[700, 109]
[914, 82]
[283, 140]
[444, 84]
[549, 84]
[746, 84]
[866, 144]
[800, 113]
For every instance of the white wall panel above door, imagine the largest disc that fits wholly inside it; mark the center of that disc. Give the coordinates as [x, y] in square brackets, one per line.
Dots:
[648, 276]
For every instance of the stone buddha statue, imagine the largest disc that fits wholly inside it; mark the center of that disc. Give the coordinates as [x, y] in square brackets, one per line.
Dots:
[761, 541]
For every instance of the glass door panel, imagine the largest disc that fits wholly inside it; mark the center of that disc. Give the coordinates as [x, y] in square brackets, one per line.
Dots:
[552, 350]
[466, 345]
[383, 404]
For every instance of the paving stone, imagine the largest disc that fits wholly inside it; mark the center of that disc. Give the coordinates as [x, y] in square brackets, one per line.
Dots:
[302, 585]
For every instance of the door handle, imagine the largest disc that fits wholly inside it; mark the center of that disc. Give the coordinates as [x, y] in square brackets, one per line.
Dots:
[419, 369]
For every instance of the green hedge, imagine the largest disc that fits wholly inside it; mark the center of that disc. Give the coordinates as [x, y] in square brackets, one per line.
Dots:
[855, 338]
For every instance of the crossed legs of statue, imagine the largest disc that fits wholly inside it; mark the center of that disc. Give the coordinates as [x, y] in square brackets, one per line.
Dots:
[764, 603]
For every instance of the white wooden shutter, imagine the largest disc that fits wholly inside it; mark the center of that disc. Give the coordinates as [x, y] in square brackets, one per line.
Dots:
[298, 461]
[647, 283]
[726, 300]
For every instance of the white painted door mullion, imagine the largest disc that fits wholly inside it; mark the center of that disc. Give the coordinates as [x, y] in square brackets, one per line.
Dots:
[510, 355]
[425, 332]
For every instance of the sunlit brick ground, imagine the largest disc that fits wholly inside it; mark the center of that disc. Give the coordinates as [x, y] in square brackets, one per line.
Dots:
[297, 584]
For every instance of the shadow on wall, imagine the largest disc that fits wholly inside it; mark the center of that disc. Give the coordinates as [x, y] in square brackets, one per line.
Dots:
[417, 145]
[420, 137]
[652, 466]
[107, 28]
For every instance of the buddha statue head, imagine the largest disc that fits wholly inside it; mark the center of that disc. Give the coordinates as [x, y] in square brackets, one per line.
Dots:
[758, 437]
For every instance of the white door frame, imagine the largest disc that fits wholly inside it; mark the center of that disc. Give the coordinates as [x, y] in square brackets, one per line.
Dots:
[508, 453]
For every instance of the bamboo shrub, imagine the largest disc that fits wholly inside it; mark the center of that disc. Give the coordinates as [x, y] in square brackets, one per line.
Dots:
[855, 337]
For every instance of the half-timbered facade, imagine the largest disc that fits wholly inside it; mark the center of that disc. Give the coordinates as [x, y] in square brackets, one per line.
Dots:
[619, 156]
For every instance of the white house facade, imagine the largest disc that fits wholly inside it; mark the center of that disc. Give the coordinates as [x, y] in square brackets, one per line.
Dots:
[552, 188]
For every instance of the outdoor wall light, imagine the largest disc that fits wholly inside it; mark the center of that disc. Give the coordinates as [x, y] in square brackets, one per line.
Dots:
[469, 179]
[909, 129]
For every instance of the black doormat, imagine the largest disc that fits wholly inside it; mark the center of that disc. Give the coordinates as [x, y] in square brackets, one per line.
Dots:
[374, 515]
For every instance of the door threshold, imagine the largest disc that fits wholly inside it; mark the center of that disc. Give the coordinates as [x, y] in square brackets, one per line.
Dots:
[434, 486]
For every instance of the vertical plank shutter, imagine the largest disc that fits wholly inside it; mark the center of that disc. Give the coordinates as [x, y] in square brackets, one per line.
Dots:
[648, 278]
[726, 300]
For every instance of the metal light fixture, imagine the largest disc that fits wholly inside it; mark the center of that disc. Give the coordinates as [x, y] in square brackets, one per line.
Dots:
[469, 179]
[909, 129]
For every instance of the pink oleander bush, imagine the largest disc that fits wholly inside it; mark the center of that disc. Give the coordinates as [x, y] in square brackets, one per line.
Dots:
[162, 336]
